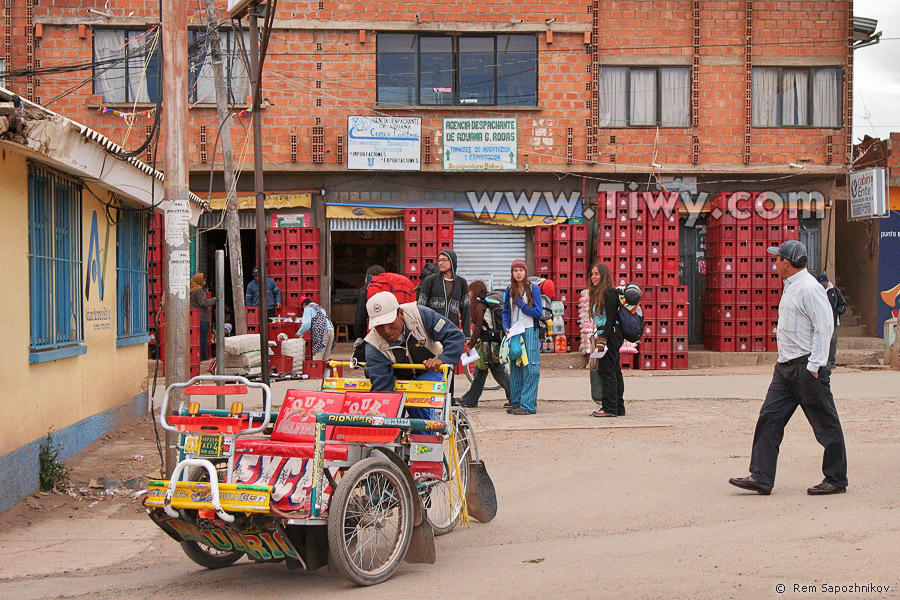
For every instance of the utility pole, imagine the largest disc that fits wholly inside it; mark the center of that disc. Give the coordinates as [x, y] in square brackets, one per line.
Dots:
[232, 226]
[256, 84]
[177, 203]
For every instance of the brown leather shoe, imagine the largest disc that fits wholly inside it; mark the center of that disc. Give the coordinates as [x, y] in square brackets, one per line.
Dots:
[518, 411]
[748, 483]
[825, 488]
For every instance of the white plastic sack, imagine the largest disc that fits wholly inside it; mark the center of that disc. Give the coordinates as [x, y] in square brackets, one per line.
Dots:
[296, 349]
[242, 344]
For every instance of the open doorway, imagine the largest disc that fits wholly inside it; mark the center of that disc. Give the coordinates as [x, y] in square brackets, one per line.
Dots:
[352, 252]
[216, 239]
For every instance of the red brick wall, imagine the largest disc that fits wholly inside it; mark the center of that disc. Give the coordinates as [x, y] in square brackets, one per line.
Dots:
[638, 28]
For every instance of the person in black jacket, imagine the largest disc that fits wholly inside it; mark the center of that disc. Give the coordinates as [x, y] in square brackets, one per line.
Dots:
[838, 307]
[361, 318]
[604, 306]
[448, 294]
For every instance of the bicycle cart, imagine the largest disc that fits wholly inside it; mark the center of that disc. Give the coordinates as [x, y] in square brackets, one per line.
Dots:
[336, 476]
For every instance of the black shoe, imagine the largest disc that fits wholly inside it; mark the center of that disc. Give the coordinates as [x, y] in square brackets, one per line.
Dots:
[466, 404]
[454, 401]
[748, 483]
[509, 405]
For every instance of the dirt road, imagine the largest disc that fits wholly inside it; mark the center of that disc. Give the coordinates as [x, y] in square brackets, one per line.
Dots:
[634, 508]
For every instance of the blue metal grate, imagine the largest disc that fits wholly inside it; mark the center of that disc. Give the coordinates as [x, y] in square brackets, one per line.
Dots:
[54, 253]
[131, 260]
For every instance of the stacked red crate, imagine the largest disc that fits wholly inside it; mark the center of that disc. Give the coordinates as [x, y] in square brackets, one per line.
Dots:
[742, 287]
[156, 284]
[428, 231]
[293, 262]
[640, 243]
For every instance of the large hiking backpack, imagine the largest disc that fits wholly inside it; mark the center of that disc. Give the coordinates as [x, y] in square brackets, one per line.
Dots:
[548, 290]
[394, 283]
[630, 317]
[492, 328]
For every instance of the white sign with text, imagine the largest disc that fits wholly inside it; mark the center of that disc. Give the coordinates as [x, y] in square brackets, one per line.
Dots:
[480, 144]
[384, 143]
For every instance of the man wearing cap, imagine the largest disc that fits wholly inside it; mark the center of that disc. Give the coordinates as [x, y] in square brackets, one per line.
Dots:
[273, 294]
[802, 378]
[408, 333]
[838, 307]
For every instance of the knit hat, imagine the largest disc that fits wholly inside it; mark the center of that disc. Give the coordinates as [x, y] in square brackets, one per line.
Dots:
[518, 264]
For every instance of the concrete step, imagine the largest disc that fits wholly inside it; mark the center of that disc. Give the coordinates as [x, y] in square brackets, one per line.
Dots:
[851, 331]
[708, 358]
[858, 357]
[859, 343]
[849, 320]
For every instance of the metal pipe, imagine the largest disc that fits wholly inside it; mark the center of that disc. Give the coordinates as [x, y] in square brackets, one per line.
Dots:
[220, 320]
[256, 82]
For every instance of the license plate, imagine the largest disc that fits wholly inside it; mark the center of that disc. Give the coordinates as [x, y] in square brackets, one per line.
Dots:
[209, 446]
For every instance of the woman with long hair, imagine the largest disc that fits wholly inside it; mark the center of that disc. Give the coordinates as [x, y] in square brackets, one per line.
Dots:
[522, 304]
[603, 302]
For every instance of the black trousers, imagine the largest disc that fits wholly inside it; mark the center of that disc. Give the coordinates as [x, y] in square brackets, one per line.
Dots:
[793, 386]
[610, 370]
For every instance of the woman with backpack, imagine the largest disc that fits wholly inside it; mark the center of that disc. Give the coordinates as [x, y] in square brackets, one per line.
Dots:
[522, 305]
[603, 306]
[487, 333]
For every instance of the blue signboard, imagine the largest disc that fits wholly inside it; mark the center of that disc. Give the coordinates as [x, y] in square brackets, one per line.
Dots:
[888, 269]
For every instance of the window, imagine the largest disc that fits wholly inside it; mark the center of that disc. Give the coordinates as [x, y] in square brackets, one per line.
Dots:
[131, 277]
[797, 97]
[127, 63]
[201, 83]
[2, 72]
[483, 70]
[645, 96]
[54, 260]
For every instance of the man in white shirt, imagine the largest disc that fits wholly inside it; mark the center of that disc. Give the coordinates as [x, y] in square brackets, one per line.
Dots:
[802, 378]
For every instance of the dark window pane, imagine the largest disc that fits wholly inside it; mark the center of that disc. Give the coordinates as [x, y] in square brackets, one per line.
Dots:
[516, 70]
[436, 70]
[476, 70]
[397, 68]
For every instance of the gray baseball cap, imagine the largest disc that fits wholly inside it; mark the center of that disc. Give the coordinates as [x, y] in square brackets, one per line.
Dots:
[791, 250]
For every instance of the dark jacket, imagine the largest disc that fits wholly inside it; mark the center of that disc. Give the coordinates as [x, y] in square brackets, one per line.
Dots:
[610, 332]
[273, 294]
[200, 301]
[455, 308]
[838, 304]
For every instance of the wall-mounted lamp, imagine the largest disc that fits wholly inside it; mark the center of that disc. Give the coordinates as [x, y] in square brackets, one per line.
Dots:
[796, 166]
[550, 20]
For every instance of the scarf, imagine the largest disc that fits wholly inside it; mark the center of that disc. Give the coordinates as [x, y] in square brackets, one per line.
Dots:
[197, 282]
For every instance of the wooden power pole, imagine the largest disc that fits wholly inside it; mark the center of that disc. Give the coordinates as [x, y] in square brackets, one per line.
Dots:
[232, 225]
[177, 202]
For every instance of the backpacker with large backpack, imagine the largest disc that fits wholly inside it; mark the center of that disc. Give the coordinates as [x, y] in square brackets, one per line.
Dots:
[397, 284]
[492, 327]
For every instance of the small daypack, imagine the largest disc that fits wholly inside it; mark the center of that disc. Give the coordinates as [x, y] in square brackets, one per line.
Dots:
[394, 283]
[492, 328]
[631, 320]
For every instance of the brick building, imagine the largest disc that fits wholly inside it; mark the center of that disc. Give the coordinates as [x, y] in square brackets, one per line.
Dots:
[699, 96]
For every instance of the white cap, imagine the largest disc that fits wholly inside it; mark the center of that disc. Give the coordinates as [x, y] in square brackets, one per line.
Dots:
[382, 309]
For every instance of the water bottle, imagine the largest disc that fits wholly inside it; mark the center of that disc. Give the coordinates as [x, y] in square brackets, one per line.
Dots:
[559, 325]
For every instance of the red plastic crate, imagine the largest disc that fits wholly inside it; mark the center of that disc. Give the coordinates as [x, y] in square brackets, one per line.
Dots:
[639, 232]
[276, 252]
[562, 264]
[294, 283]
[309, 235]
[679, 344]
[670, 231]
[680, 361]
[543, 234]
[413, 233]
[664, 360]
[429, 216]
[413, 250]
[413, 265]
[562, 249]
[195, 317]
[314, 368]
[445, 232]
[294, 267]
[310, 251]
[579, 233]
[606, 249]
[445, 216]
[623, 266]
[638, 265]
[562, 233]
[623, 248]
[293, 252]
[293, 235]
[311, 267]
[429, 250]
[310, 283]
[275, 235]
[579, 278]
[412, 216]
[566, 295]
[445, 245]
[543, 266]
[543, 249]
[429, 233]
[647, 360]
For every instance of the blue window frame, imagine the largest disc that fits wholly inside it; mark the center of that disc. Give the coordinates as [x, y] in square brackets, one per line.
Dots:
[54, 256]
[131, 277]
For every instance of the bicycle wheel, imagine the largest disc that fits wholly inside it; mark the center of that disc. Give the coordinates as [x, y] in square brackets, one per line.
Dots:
[490, 384]
[370, 521]
[442, 498]
[203, 554]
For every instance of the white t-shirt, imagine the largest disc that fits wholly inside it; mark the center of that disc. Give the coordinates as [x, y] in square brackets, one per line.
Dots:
[517, 315]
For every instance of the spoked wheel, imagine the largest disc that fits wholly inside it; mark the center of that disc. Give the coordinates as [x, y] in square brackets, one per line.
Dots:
[370, 521]
[443, 498]
[490, 384]
[210, 556]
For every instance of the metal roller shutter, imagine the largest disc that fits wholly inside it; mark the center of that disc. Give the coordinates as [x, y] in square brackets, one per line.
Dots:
[486, 251]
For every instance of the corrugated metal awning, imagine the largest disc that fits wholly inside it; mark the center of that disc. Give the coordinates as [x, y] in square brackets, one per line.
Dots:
[216, 220]
[486, 251]
[393, 224]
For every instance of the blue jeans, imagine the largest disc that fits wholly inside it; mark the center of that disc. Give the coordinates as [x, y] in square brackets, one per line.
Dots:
[204, 339]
